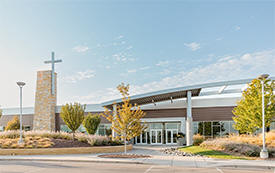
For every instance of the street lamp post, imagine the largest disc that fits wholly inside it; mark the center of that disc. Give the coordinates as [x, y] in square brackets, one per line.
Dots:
[20, 84]
[264, 152]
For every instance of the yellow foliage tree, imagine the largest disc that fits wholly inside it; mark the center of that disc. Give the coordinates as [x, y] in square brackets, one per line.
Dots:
[127, 122]
[13, 124]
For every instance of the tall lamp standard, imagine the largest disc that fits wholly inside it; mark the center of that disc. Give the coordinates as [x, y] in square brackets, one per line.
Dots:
[264, 152]
[20, 84]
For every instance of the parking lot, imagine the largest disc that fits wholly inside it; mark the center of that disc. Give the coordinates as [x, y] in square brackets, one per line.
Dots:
[88, 167]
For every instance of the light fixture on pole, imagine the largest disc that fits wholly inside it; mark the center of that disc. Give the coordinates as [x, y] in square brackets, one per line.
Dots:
[264, 152]
[20, 84]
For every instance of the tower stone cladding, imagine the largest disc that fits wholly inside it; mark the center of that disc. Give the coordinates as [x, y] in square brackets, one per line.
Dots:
[45, 102]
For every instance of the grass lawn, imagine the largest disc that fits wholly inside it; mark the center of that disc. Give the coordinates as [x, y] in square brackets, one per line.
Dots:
[211, 153]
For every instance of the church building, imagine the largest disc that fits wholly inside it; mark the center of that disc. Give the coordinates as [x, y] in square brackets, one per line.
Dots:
[203, 108]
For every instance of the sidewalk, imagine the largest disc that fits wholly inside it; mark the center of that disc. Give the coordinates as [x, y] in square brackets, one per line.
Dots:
[158, 158]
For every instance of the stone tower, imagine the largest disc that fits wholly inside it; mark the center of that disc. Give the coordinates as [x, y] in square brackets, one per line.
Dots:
[45, 102]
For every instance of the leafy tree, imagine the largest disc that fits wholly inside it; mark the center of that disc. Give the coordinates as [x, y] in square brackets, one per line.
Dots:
[127, 122]
[73, 115]
[13, 124]
[91, 123]
[248, 113]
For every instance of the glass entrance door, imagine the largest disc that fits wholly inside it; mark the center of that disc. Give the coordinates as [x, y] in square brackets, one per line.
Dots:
[156, 136]
[171, 136]
[141, 139]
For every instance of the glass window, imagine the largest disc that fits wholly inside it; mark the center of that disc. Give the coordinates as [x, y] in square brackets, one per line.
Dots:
[272, 125]
[104, 130]
[171, 125]
[156, 125]
[143, 140]
[225, 128]
[207, 128]
[65, 128]
[101, 130]
[148, 137]
[2, 128]
[232, 130]
[138, 139]
[216, 130]
[196, 127]
[27, 128]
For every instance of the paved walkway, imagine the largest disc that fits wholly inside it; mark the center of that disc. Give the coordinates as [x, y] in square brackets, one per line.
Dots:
[158, 158]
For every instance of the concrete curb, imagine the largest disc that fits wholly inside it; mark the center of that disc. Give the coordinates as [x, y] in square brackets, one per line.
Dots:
[134, 162]
[58, 151]
[72, 160]
[247, 166]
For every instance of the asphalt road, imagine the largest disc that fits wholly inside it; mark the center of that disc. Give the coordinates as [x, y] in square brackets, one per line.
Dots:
[90, 167]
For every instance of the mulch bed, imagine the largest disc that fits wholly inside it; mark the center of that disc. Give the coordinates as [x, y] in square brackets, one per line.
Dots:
[64, 143]
[123, 156]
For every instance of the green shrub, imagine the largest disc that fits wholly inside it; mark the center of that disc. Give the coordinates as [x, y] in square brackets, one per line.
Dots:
[198, 139]
[91, 123]
[14, 124]
[72, 115]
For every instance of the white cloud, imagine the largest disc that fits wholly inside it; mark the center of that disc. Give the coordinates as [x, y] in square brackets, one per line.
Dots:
[193, 46]
[232, 67]
[129, 47]
[81, 49]
[119, 37]
[165, 72]
[237, 28]
[107, 67]
[162, 63]
[123, 57]
[81, 75]
[145, 68]
[132, 71]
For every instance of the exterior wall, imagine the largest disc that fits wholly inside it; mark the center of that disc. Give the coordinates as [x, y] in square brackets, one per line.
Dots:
[213, 113]
[45, 103]
[198, 114]
[27, 120]
[61, 122]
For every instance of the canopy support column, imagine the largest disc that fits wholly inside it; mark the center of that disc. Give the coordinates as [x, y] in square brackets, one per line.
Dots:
[189, 120]
[114, 116]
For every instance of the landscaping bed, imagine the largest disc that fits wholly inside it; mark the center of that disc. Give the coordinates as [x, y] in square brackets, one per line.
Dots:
[200, 151]
[63, 143]
[247, 145]
[44, 139]
[229, 147]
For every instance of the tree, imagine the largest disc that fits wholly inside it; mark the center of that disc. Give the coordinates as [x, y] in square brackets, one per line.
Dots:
[127, 122]
[13, 124]
[91, 123]
[248, 113]
[73, 115]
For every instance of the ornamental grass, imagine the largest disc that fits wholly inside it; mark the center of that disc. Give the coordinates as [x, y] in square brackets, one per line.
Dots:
[43, 139]
[248, 145]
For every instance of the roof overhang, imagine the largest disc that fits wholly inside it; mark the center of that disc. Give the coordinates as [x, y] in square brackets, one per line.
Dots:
[154, 97]
[176, 93]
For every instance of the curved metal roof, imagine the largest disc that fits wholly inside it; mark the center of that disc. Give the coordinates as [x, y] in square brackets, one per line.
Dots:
[175, 93]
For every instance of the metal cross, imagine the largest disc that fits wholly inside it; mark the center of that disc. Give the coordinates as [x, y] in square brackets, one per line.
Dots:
[53, 61]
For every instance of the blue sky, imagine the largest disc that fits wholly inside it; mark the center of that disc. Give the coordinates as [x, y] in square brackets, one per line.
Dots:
[151, 45]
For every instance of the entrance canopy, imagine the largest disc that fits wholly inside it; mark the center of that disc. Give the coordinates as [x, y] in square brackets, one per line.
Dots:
[181, 92]
[157, 96]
